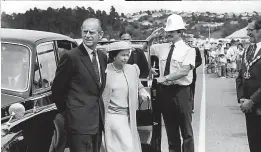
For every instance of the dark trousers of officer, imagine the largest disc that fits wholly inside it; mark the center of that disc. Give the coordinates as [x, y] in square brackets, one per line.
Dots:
[253, 124]
[176, 111]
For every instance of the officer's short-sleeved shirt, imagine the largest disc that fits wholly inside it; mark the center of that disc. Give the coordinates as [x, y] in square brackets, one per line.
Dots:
[182, 55]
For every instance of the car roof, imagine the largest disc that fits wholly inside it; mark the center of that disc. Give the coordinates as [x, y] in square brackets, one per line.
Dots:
[30, 37]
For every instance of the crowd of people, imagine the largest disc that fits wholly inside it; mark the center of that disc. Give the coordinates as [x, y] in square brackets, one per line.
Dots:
[224, 58]
[98, 95]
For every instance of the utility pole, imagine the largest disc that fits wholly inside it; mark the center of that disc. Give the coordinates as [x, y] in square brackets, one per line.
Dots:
[208, 31]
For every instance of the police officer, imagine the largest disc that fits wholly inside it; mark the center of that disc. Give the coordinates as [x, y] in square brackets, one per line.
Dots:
[176, 62]
[249, 86]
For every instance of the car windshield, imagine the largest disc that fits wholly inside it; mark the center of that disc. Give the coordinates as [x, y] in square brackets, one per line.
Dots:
[14, 67]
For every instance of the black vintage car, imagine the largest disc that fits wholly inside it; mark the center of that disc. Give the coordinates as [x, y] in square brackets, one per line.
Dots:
[30, 121]
[28, 60]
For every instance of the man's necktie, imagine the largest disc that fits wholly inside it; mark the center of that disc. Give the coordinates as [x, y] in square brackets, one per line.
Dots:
[96, 67]
[167, 66]
[251, 52]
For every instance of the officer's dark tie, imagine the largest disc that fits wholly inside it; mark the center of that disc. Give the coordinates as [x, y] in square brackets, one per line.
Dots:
[251, 52]
[96, 67]
[167, 66]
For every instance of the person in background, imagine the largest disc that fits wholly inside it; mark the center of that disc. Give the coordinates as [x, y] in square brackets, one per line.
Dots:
[137, 56]
[198, 62]
[77, 89]
[223, 65]
[121, 100]
[248, 85]
[207, 47]
[219, 49]
[231, 56]
[213, 60]
[176, 64]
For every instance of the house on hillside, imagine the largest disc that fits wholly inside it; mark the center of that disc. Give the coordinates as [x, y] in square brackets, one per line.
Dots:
[135, 18]
[212, 24]
[144, 14]
[204, 14]
[157, 22]
[169, 12]
[252, 14]
[122, 18]
[244, 14]
[128, 15]
[146, 23]
[245, 17]
[196, 13]
[233, 22]
[130, 20]
[212, 15]
[220, 16]
[157, 14]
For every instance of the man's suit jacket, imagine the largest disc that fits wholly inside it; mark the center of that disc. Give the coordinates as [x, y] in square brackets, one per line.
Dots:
[138, 57]
[76, 92]
[197, 64]
[250, 88]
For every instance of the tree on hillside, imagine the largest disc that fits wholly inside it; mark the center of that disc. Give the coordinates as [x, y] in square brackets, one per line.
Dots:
[148, 12]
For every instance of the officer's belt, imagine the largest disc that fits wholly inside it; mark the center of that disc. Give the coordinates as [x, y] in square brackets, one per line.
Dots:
[172, 86]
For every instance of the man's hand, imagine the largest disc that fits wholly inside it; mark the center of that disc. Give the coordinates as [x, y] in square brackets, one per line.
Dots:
[161, 79]
[145, 96]
[157, 32]
[246, 105]
[153, 71]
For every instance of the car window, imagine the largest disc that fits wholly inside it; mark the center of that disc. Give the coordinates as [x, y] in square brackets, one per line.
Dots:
[14, 67]
[45, 65]
[64, 46]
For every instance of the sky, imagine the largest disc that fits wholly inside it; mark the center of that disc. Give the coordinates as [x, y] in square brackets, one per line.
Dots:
[134, 6]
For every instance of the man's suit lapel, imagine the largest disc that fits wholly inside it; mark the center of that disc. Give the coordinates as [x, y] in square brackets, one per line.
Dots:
[258, 53]
[88, 63]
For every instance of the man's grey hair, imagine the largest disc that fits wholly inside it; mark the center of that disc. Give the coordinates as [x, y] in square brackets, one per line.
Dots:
[93, 20]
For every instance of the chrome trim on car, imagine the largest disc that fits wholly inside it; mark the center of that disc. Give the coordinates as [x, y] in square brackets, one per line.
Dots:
[30, 66]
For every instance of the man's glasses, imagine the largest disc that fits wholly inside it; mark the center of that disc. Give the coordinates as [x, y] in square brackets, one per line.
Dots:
[250, 30]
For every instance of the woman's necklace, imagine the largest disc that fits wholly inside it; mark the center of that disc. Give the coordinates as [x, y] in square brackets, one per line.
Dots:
[115, 69]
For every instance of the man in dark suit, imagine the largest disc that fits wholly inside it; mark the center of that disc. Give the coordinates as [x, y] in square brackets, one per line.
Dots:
[137, 56]
[77, 89]
[249, 86]
[198, 62]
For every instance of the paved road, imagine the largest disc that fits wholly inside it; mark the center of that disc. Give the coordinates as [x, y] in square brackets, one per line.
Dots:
[225, 123]
[225, 129]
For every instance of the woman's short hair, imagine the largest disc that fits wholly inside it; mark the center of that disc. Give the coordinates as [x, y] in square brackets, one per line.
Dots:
[112, 55]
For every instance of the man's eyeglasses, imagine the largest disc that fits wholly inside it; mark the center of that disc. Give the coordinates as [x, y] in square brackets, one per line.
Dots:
[250, 30]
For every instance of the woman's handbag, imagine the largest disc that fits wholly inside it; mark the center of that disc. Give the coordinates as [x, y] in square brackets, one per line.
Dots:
[144, 117]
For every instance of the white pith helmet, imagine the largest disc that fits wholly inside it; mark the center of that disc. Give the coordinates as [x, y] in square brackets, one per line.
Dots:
[174, 22]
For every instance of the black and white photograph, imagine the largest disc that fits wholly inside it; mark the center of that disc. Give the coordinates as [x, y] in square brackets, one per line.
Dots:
[130, 76]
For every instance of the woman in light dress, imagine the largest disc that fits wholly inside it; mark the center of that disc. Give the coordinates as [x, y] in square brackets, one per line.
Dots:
[120, 98]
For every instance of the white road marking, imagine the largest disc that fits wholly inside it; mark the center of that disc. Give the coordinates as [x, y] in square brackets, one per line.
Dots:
[202, 122]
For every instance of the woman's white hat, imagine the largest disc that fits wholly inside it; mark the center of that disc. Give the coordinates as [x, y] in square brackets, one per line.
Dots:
[120, 45]
[175, 22]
